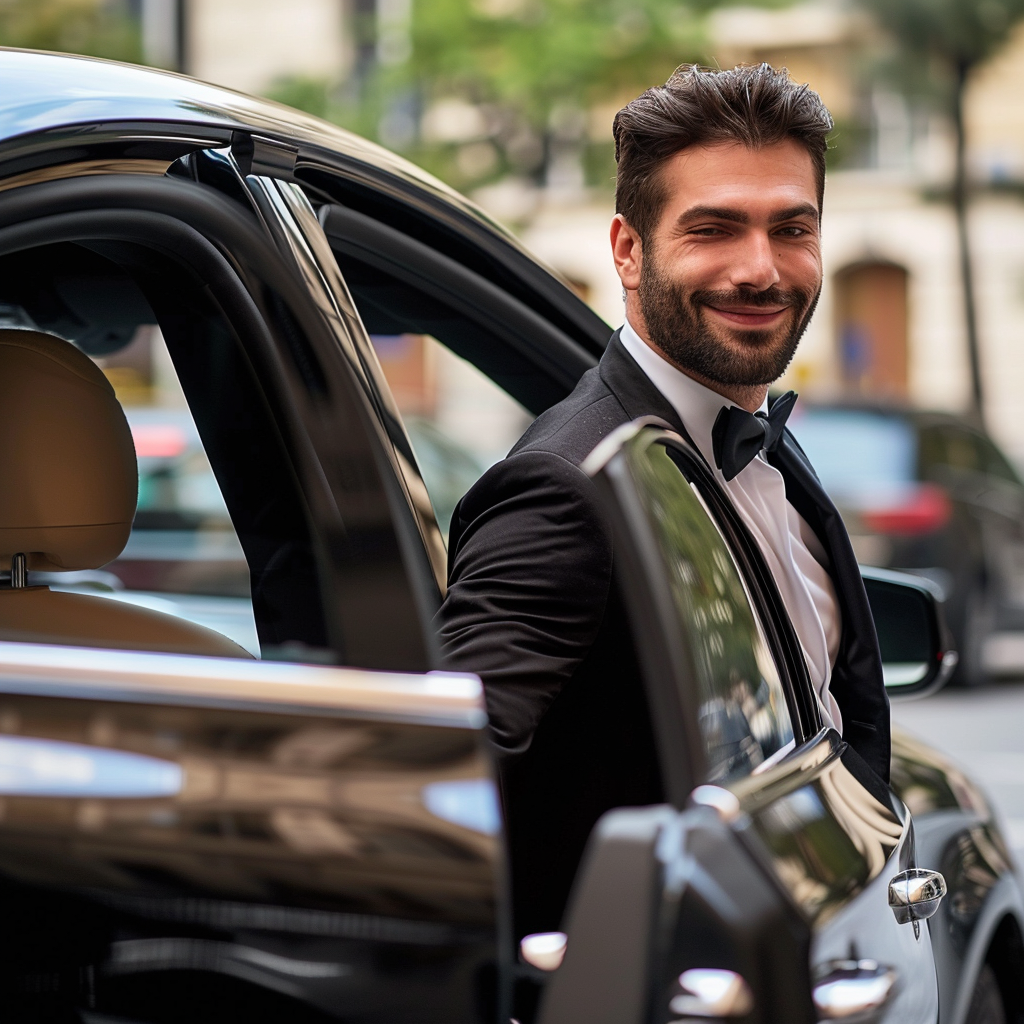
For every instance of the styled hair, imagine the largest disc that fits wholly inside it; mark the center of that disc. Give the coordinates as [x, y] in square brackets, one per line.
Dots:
[756, 105]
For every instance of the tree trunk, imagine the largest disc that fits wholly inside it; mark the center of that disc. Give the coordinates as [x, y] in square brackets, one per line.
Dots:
[963, 241]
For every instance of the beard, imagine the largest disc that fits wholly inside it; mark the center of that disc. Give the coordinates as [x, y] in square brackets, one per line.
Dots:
[678, 323]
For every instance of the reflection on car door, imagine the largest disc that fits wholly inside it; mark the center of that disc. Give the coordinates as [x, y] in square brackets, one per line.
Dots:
[828, 831]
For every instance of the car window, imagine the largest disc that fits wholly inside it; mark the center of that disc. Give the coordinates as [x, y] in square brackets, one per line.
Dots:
[459, 421]
[183, 555]
[451, 383]
[856, 452]
[995, 462]
[219, 559]
[743, 714]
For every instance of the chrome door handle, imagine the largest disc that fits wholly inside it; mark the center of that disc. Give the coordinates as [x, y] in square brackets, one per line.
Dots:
[853, 989]
[915, 895]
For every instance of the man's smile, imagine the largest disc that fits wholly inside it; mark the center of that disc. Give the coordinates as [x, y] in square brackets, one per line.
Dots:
[749, 316]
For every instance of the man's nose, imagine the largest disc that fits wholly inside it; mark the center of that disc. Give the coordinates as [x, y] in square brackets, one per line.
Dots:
[754, 266]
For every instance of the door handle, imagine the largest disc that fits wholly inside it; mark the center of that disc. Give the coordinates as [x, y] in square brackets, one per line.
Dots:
[915, 895]
[853, 989]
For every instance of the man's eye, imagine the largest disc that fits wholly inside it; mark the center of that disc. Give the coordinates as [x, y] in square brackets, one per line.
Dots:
[793, 231]
[707, 232]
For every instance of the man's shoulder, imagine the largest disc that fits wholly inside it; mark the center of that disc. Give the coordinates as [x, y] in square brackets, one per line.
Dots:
[574, 427]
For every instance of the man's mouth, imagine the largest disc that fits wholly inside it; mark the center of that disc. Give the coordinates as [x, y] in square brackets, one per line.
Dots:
[750, 316]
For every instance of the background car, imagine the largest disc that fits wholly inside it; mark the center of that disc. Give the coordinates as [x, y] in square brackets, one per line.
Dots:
[928, 493]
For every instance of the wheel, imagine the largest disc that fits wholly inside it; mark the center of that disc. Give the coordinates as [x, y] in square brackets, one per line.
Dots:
[986, 1001]
[971, 635]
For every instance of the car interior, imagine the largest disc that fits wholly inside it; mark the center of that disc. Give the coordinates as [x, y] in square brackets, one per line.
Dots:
[62, 415]
[218, 559]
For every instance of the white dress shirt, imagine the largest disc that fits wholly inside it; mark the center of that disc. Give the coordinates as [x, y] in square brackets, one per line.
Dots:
[793, 552]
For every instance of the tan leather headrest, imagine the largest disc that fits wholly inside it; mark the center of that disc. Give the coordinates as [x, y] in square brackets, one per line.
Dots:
[68, 477]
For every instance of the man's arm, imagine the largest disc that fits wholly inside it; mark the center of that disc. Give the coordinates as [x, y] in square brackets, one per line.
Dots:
[530, 572]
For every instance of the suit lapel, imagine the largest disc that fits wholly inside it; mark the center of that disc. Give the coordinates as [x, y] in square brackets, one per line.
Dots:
[634, 389]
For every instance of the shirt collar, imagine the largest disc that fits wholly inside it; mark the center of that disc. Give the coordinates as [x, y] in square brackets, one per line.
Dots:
[698, 406]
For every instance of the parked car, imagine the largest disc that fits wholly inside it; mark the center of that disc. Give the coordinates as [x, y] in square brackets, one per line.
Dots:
[314, 834]
[929, 493]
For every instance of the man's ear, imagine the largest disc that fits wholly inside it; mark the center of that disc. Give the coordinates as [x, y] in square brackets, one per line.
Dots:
[627, 252]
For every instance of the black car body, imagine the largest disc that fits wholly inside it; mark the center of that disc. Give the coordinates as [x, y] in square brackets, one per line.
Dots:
[192, 838]
[928, 492]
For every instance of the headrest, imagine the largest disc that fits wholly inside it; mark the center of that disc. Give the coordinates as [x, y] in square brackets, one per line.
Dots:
[68, 477]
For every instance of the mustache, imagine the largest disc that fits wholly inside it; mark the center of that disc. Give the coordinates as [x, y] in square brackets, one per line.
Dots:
[773, 297]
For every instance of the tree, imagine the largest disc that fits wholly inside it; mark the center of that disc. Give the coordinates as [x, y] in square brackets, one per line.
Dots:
[478, 89]
[939, 44]
[96, 28]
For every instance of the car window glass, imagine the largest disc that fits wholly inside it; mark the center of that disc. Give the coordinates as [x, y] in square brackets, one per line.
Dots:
[995, 462]
[452, 383]
[183, 556]
[220, 558]
[459, 421]
[744, 717]
[854, 451]
[960, 451]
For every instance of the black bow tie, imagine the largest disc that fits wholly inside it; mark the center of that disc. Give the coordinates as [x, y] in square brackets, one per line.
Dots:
[738, 435]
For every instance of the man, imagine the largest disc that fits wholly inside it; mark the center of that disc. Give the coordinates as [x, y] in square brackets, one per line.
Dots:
[717, 244]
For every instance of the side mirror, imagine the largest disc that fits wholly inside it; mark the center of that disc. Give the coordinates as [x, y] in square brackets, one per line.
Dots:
[916, 646]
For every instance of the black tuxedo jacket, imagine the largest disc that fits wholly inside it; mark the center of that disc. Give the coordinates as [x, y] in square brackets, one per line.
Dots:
[531, 607]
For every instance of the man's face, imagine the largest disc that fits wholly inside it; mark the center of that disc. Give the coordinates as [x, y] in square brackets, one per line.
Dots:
[729, 278]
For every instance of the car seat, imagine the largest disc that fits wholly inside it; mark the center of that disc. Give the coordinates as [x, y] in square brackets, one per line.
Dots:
[68, 491]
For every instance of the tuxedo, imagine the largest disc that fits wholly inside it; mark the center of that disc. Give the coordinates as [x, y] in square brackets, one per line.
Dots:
[532, 607]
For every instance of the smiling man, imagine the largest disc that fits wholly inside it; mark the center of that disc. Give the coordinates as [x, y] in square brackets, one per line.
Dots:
[717, 243]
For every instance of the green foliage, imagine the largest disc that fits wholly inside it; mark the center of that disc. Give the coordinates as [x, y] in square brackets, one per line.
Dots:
[91, 27]
[534, 54]
[532, 69]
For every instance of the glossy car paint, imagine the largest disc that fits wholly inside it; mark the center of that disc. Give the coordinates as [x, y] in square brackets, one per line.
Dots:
[332, 837]
[63, 118]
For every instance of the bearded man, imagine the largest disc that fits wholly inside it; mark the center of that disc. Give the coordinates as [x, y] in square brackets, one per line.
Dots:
[717, 243]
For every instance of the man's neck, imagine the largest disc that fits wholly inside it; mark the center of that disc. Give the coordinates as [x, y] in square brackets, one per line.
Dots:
[747, 396]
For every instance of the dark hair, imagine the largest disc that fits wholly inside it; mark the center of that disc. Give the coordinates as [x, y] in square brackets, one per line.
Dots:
[756, 105]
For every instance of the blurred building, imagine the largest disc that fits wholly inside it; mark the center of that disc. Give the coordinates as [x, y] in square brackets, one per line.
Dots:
[247, 44]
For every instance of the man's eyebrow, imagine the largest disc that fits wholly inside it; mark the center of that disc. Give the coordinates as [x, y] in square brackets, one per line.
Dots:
[715, 213]
[803, 210]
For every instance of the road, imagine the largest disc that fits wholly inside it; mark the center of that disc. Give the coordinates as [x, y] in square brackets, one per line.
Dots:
[983, 731]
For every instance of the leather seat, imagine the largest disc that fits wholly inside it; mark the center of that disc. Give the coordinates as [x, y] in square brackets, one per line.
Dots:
[68, 490]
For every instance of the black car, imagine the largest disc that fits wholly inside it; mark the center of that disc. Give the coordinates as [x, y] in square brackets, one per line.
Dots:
[930, 493]
[203, 816]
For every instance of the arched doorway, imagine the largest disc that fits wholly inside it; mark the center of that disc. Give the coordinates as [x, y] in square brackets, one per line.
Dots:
[871, 329]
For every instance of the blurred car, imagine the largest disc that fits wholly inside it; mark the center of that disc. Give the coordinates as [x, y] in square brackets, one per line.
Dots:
[314, 834]
[930, 494]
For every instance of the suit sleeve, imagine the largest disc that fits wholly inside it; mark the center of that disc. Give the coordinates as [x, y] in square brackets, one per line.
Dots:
[529, 577]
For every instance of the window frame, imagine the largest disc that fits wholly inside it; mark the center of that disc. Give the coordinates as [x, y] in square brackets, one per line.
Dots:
[357, 517]
[664, 652]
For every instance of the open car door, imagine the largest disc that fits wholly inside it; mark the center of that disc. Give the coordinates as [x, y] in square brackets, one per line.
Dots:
[789, 889]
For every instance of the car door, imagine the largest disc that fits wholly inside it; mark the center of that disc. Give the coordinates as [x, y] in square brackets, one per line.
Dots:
[719, 649]
[240, 839]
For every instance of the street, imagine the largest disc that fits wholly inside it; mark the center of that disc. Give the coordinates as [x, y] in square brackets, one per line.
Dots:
[983, 731]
